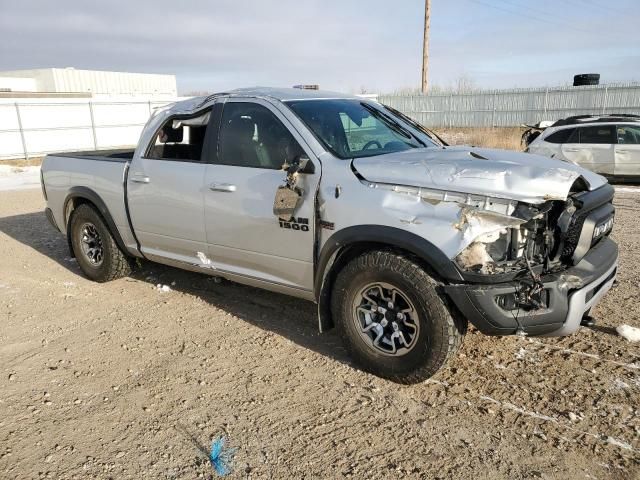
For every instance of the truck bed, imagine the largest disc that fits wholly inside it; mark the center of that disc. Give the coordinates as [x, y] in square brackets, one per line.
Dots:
[116, 155]
[102, 179]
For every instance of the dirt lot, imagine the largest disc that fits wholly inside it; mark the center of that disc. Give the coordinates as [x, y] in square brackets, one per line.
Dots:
[123, 380]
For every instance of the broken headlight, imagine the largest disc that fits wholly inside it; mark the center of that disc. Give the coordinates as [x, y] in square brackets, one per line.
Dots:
[507, 244]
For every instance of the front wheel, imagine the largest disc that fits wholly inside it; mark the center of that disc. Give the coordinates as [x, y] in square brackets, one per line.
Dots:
[95, 249]
[392, 319]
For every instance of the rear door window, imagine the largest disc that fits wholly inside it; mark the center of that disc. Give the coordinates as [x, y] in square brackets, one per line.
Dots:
[561, 136]
[600, 134]
[628, 134]
[180, 139]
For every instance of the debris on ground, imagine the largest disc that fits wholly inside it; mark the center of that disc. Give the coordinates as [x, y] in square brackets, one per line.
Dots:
[220, 457]
[629, 333]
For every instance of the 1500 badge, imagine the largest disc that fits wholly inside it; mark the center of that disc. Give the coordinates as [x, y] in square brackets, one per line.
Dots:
[299, 223]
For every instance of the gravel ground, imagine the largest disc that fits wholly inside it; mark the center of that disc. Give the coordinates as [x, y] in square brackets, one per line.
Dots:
[125, 380]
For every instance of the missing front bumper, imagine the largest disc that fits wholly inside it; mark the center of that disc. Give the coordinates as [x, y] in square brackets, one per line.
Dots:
[569, 295]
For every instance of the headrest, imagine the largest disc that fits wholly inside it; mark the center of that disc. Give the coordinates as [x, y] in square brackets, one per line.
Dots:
[242, 127]
[196, 134]
[173, 135]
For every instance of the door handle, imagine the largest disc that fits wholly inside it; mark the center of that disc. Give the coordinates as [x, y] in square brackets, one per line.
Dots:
[140, 178]
[572, 150]
[222, 187]
[622, 151]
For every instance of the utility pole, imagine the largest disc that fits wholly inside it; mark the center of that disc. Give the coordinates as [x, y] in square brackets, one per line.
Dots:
[425, 48]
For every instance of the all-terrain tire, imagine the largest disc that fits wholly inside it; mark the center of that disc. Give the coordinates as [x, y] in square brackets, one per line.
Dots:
[441, 328]
[114, 263]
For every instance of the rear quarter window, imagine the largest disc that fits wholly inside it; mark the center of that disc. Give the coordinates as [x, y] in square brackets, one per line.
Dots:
[561, 136]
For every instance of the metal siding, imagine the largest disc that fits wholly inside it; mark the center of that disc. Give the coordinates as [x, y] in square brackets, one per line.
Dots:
[513, 107]
[98, 82]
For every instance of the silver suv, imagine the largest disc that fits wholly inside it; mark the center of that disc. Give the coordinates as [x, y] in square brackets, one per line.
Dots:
[608, 144]
[399, 238]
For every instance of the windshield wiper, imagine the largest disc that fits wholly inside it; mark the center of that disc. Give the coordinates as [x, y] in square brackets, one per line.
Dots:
[427, 131]
[391, 123]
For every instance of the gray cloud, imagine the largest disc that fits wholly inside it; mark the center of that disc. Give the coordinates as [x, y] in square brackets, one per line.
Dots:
[215, 45]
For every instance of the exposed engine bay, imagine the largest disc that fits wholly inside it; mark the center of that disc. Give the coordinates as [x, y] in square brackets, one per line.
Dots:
[538, 240]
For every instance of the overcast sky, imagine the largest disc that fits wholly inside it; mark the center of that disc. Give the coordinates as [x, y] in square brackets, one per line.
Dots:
[212, 45]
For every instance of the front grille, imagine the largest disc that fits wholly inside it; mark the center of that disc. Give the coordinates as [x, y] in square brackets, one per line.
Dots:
[586, 203]
[573, 234]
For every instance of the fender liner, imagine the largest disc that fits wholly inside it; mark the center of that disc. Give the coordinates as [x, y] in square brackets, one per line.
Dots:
[380, 234]
[88, 194]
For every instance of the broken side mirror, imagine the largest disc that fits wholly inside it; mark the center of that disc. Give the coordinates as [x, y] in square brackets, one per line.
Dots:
[286, 202]
[289, 195]
[299, 164]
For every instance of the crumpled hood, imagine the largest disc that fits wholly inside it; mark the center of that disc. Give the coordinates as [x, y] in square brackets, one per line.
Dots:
[496, 173]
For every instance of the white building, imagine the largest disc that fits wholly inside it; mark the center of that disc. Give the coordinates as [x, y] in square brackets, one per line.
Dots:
[95, 83]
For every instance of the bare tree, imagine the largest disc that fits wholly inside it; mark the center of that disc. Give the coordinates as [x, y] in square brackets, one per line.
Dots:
[464, 84]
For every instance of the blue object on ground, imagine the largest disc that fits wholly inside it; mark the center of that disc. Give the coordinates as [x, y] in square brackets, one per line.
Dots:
[220, 457]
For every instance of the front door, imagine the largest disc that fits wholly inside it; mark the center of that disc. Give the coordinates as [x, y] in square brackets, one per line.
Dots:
[244, 236]
[628, 151]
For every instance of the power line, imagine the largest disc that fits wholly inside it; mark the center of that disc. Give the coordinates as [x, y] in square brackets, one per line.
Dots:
[562, 18]
[530, 17]
[607, 8]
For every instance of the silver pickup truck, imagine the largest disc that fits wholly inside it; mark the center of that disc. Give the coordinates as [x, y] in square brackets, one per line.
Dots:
[399, 238]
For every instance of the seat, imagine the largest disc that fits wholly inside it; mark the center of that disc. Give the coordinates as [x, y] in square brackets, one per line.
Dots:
[238, 146]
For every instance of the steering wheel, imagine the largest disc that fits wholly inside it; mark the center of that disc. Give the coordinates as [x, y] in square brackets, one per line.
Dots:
[370, 143]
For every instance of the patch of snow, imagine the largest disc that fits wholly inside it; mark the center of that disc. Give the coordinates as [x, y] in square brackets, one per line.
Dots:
[619, 384]
[627, 189]
[533, 414]
[629, 333]
[19, 178]
[524, 354]
[632, 366]
[163, 288]
[522, 411]
[204, 260]
[619, 443]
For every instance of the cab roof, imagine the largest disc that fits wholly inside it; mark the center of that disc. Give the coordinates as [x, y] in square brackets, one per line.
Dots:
[280, 94]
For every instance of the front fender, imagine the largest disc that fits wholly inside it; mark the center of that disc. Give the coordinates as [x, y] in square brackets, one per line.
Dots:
[347, 243]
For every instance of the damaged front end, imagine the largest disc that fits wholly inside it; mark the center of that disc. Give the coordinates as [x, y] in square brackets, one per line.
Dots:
[527, 265]
[528, 235]
[517, 244]
[523, 264]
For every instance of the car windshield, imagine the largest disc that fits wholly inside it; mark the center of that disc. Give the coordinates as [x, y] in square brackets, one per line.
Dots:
[354, 128]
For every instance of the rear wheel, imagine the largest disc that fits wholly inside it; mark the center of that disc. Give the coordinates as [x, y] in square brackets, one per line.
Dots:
[95, 249]
[392, 319]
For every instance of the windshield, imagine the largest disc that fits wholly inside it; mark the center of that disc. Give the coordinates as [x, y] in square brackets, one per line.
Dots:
[354, 128]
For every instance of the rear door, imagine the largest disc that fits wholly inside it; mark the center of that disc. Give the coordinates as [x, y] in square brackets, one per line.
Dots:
[627, 151]
[245, 237]
[592, 147]
[165, 191]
